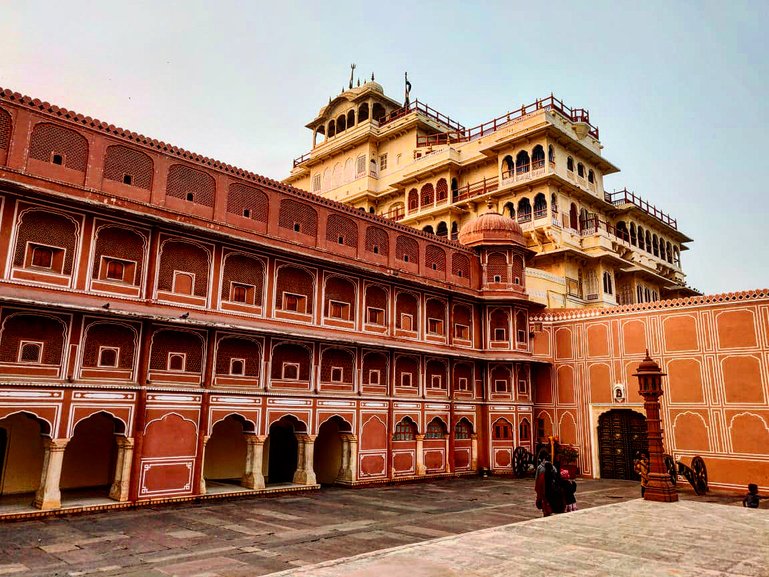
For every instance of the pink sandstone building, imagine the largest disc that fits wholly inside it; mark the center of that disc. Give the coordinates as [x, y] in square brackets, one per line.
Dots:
[174, 327]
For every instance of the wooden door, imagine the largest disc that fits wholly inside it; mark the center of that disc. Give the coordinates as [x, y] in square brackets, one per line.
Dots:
[621, 435]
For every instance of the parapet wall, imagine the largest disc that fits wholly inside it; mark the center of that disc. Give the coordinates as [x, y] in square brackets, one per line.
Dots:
[715, 351]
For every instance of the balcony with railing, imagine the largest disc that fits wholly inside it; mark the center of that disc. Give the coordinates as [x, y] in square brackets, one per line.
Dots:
[624, 197]
[471, 190]
[467, 134]
[426, 110]
[395, 214]
[528, 171]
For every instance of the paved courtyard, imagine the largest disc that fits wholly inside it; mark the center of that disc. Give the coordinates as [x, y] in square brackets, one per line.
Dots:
[260, 535]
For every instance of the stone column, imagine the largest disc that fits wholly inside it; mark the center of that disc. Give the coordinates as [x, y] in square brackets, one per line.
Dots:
[420, 468]
[305, 475]
[48, 495]
[446, 439]
[202, 487]
[474, 452]
[253, 477]
[122, 482]
[349, 469]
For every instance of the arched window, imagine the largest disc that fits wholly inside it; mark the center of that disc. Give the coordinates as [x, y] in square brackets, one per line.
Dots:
[351, 119]
[363, 112]
[332, 128]
[662, 249]
[655, 245]
[641, 243]
[551, 154]
[427, 195]
[573, 219]
[428, 228]
[537, 157]
[554, 204]
[405, 430]
[524, 210]
[454, 230]
[522, 163]
[591, 176]
[441, 190]
[622, 230]
[668, 252]
[413, 199]
[502, 430]
[510, 209]
[581, 170]
[570, 164]
[454, 189]
[463, 430]
[442, 230]
[648, 241]
[633, 238]
[524, 430]
[341, 123]
[647, 295]
[435, 429]
[540, 206]
[508, 166]
[639, 294]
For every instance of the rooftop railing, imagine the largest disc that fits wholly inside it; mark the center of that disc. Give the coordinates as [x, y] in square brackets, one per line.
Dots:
[305, 157]
[474, 189]
[624, 196]
[549, 103]
[424, 109]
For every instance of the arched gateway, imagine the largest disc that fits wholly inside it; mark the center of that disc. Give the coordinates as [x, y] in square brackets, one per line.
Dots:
[621, 434]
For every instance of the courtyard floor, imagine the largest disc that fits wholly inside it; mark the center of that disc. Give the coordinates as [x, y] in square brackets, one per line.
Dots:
[260, 535]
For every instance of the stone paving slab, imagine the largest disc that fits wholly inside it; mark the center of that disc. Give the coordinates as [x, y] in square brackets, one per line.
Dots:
[688, 538]
[267, 534]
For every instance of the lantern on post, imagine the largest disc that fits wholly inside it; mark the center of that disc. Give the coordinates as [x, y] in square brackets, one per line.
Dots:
[660, 487]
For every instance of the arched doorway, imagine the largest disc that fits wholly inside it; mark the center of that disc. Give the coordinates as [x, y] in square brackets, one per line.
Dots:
[225, 457]
[621, 434]
[282, 450]
[90, 458]
[21, 457]
[327, 460]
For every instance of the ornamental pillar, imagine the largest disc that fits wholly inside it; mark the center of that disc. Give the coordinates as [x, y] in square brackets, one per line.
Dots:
[348, 472]
[253, 478]
[447, 440]
[420, 468]
[122, 483]
[660, 487]
[202, 486]
[48, 495]
[305, 475]
[474, 452]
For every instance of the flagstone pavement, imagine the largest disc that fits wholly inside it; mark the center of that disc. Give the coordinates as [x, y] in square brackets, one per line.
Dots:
[252, 536]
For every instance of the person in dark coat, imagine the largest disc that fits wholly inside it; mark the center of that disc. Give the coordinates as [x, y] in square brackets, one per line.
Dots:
[553, 490]
[540, 483]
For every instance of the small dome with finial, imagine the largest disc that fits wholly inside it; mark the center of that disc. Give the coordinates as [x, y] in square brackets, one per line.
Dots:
[491, 228]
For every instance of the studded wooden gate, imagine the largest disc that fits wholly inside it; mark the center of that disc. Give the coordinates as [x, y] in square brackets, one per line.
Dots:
[621, 434]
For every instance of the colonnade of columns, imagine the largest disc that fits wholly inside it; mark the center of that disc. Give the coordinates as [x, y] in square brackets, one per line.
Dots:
[48, 494]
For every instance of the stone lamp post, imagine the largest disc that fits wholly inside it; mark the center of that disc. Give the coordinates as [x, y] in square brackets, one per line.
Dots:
[659, 488]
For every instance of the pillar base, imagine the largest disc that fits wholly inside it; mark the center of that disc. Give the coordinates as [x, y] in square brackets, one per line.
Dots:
[305, 478]
[660, 489]
[253, 481]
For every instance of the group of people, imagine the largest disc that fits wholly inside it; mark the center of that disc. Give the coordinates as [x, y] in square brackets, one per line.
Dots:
[555, 489]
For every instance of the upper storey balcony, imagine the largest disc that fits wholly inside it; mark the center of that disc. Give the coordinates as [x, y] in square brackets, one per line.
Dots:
[626, 201]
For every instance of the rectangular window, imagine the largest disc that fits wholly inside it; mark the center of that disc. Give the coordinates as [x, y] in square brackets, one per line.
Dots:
[30, 352]
[360, 166]
[337, 374]
[462, 383]
[294, 302]
[108, 357]
[521, 336]
[383, 161]
[117, 270]
[242, 293]
[176, 362]
[316, 183]
[407, 322]
[522, 387]
[373, 377]
[290, 371]
[461, 332]
[500, 335]
[435, 326]
[405, 379]
[375, 316]
[500, 386]
[44, 257]
[339, 310]
[184, 283]
[436, 381]
[237, 367]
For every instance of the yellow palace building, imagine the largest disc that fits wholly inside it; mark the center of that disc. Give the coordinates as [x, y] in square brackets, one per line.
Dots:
[540, 164]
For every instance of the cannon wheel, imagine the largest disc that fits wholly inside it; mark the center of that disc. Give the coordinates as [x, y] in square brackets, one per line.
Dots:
[670, 465]
[700, 483]
[521, 461]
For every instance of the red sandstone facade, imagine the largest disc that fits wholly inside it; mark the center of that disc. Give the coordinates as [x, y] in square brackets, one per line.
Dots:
[170, 324]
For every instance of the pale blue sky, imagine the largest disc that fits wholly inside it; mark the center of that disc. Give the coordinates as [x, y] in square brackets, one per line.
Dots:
[678, 89]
